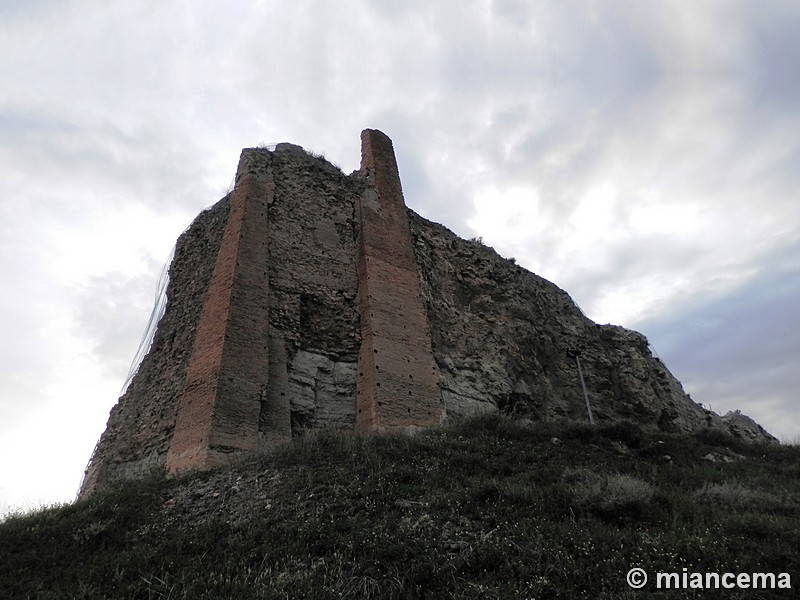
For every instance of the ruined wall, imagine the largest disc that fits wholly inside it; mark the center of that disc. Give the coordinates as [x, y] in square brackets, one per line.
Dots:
[141, 424]
[281, 321]
[502, 338]
[218, 411]
[310, 298]
[398, 383]
[313, 286]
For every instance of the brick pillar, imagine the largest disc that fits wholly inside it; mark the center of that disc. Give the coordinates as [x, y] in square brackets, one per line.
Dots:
[218, 413]
[398, 383]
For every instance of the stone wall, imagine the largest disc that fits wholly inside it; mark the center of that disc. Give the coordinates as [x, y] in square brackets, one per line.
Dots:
[309, 298]
[141, 424]
[261, 331]
[504, 339]
[313, 286]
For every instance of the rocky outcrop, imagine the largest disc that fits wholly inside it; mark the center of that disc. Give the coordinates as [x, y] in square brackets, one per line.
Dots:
[505, 339]
[742, 427]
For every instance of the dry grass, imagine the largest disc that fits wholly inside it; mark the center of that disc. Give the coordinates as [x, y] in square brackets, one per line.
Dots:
[487, 508]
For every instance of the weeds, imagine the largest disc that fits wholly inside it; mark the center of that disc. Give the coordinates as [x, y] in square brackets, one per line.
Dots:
[612, 496]
[487, 507]
[736, 495]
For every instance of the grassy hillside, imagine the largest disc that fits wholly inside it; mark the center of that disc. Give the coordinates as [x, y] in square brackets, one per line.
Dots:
[489, 508]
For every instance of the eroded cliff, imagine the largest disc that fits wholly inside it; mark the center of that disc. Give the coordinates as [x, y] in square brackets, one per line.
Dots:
[504, 339]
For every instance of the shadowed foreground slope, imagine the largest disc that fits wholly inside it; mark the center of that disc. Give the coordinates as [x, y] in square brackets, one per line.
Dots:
[489, 508]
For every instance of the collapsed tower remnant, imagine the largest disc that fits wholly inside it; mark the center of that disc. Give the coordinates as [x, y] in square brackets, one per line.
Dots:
[308, 298]
[227, 375]
[398, 384]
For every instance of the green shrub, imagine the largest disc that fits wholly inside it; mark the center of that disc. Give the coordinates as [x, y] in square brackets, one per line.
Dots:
[713, 436]
[736, 495]
[626, 432]
[582, 431]
[612, 496]
[480, 422]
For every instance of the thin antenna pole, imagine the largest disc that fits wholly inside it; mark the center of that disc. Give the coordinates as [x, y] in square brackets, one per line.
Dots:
[583, 385]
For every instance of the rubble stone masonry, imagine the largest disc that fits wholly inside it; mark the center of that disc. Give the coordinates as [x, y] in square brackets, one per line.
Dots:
[308, 298]
[141, 424]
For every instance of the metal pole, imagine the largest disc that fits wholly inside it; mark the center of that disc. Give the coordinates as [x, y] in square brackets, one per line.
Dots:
[585, 394]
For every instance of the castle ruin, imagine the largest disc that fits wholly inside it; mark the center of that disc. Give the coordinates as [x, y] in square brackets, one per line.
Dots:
[308, 298]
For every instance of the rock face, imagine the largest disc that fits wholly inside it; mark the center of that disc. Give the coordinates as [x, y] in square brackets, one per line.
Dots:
[309, 298]
[503, 338]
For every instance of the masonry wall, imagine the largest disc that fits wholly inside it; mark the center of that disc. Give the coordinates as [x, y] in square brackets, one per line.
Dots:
[262, 310]
[140, 426]
[226, 379]
[309, 298]
[398, 383]
[313, 286]
[502, 337]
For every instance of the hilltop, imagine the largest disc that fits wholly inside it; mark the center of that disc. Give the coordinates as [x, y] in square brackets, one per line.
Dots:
[486, 508]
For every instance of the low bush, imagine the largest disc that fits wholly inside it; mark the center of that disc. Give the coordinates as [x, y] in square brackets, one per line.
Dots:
[713, 436]
[611, 496]
[626, 432]
[735, 495]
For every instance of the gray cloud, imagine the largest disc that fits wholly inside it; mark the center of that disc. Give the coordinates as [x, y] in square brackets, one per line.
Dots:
[739, 351]
[773, 73]
[111, 312]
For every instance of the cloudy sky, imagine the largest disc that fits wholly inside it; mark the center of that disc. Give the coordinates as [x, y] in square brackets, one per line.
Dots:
[645, 156]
